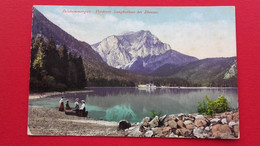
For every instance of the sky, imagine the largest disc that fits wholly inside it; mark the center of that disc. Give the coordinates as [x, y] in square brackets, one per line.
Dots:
[202, 32]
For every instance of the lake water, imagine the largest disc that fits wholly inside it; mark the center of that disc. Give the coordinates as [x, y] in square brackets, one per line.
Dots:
[132, 104]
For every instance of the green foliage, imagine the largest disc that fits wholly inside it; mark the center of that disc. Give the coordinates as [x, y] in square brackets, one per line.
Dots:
[211, 107]
[154, 114]
[53, 69]
[61, 87]
[38, 62]
[48, 82]
[202, 107]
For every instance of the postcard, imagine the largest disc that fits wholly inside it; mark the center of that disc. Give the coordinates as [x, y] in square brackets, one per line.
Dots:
[134, 72]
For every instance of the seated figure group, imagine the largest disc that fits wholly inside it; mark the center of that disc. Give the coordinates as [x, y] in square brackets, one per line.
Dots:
[78, 111]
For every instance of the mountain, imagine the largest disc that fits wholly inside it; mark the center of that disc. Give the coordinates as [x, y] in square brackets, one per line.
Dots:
[138, 51]
[203, 71]
[93, 63]
[95, 67]
[152, 62]
[41, 25]
[98, 73]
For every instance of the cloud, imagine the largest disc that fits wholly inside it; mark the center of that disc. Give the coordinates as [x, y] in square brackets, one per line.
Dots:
[200, 38]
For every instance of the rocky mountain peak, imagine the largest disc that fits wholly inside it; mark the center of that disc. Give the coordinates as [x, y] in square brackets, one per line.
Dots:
[128, 46]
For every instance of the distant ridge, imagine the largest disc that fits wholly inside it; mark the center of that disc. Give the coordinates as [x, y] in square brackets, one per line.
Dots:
[203, 71]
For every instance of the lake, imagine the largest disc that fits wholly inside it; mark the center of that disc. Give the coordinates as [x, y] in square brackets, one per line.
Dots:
[132, 104]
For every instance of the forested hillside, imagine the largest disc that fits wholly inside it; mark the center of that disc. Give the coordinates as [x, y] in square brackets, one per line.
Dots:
[53, 68]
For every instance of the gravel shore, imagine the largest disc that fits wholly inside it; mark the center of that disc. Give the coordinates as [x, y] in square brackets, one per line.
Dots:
[50, 121]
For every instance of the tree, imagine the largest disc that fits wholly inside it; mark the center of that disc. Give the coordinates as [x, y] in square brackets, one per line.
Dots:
[54, 69]
[63, 64]
[80, 73]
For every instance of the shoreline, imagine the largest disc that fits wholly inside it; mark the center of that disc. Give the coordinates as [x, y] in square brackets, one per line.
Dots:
[56, 123]
[46, 94]
[51, 122]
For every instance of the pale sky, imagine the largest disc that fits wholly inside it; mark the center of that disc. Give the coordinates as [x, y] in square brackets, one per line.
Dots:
[202, 32]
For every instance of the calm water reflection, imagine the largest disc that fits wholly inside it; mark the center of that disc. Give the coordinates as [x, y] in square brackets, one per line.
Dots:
[132, 104]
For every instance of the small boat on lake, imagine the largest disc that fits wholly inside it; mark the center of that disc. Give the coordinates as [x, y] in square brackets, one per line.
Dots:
[80, 113]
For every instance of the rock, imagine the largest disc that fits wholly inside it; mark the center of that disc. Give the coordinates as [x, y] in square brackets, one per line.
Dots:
[123, 125]
[180, 115]
[133, 132]
[207, 128]
[223, 115]
[215, 120]
[224, 121]
[147, 128]
[236, 130]
[231, 124]
[220, 131]
[180, 123]
[158, 132]
[188, 122]
[198, 132]
[148, 133]
[183, 132]
[188, 118]
[161, 119]
[172, 124]
[199, 123]
[199, 117]
[142, 128]
[206, 135]
[173, 135]
[155, 122]
[145, 121]
[169, 118]
[166, 130]
[236, 117]
[178, 132]
[207, 118]
[190, 126]
[131, 128]
[229, 118]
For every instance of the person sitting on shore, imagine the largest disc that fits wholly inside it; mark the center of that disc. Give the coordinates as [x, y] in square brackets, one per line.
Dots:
[82, 109]
[83, 105]
[61, 107]
[67, 105]
[76, 105]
